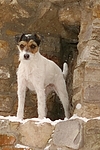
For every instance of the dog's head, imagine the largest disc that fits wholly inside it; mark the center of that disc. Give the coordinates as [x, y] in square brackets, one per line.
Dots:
[28, 45]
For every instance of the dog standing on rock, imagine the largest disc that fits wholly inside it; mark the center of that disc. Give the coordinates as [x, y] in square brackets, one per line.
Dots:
[38, 74]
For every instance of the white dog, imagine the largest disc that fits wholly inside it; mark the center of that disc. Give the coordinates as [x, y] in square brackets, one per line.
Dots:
[39, 74]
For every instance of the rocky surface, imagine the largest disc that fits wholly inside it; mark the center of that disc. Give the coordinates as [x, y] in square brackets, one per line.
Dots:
[71, 32]
[69, 134]
[79, 133]
[59, 43]
[86, 85]
[40, 135]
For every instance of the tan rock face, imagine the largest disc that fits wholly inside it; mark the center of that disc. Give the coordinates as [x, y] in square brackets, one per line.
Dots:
[37, 134]
[92, 134]
[4, 73]
[58, 44]
[70, 14]
[63, 24]
[86, 82]
[96, 12]
[4, 49]
[6, 103]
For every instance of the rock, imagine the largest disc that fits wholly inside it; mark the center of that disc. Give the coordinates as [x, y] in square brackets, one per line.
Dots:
[89, 53]
[86, 82]
[88, 109]
[96, 12]
[64, 24]
[92, 135]
[42, 9]
[70, 14]
[4, 73]
[35, 134]
[4, 125]
[91, 92]
[50, 45]
[4, 49]
[78, 76]
[4, 85]
[6, 103]
[7, 140]
[68, 133]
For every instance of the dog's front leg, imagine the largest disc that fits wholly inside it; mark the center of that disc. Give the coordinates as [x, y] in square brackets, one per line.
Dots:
[21, 100]
[41, 103]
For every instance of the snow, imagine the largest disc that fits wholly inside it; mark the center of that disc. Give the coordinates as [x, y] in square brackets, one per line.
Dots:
[47, 147]
[37, 120]
[77, 117]
[21, 146]
[10, 118]
[45, 120]
[78, 106]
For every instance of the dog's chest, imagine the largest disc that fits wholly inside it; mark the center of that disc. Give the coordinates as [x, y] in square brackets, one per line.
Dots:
[31, 73]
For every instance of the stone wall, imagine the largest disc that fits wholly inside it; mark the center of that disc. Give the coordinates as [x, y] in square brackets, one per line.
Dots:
[86, 85]
[70, 30]
[39, 135]
[34, 134]
[59, 43]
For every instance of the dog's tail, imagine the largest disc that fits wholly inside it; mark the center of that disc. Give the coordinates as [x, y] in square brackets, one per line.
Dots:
[65, 70]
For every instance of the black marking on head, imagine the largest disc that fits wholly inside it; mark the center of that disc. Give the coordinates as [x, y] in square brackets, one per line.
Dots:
[28, 37]
[37, 39]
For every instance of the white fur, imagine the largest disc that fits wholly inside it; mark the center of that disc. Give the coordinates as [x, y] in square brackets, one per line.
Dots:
[42, 76]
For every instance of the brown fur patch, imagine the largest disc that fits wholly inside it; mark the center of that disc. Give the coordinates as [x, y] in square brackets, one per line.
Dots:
[30, 46]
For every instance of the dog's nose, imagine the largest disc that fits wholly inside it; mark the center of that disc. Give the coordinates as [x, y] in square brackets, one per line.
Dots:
[26, 56]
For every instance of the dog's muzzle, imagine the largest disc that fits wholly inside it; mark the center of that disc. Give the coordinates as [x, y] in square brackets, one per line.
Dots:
[26, 56]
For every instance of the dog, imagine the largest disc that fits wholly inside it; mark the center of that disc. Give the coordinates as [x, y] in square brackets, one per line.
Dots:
[38, 74]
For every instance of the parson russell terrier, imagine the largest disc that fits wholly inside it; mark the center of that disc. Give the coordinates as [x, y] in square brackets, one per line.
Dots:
[38, 74]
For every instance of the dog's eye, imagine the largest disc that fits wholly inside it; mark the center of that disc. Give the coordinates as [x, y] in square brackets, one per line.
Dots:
[32, 46]
[22, 46]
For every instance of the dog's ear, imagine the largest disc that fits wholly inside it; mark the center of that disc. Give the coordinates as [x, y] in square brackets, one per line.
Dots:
[37, 39]
[22, 36]
[18, 38]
